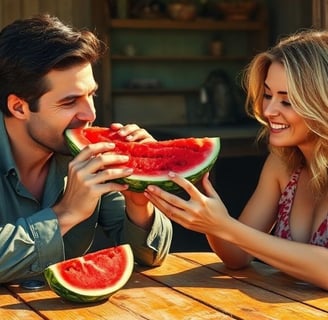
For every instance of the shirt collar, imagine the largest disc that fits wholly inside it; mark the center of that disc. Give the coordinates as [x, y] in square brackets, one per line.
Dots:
[7, 162]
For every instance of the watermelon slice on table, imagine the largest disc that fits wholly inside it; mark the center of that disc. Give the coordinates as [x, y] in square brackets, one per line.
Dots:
[92, 277]
[151, 161]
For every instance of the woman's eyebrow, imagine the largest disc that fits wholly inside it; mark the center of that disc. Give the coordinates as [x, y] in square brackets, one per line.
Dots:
[280, 92]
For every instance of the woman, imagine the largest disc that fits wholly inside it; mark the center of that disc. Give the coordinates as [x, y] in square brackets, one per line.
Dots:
[285, 222]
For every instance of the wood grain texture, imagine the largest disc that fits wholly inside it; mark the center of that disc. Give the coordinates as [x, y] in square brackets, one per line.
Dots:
[188, 286]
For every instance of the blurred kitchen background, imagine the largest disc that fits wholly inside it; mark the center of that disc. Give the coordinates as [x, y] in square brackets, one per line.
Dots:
[175, 67]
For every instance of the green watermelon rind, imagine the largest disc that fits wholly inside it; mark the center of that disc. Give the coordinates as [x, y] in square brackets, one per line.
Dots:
[70, 295]
[66, 291]
[139, 183]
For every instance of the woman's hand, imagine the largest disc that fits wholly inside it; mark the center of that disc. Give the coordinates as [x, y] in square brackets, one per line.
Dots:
[200, 213]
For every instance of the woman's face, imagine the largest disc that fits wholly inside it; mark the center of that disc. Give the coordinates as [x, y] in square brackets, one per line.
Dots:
[287, 128]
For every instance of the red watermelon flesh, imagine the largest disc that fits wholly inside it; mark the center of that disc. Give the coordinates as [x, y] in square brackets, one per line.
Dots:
[155, 157]
[92, 277]
[151, 161]
[91, 271]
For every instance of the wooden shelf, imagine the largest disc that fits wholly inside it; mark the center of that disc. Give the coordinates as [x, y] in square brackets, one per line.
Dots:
[173, 54]
[198, 24]
[178, 58]
[155, 91]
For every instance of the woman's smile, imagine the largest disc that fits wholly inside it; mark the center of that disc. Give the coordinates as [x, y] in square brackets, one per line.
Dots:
[278, 127]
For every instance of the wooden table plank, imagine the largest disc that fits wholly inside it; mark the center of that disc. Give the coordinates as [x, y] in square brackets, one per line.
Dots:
[13, 309]
[156, 301]
[188, 286]
[141, 295]
[51, 306]
[228, 294]
[279, 283]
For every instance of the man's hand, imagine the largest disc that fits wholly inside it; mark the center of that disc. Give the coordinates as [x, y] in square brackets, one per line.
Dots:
[132, 133]
[138, 207]
[89, 177]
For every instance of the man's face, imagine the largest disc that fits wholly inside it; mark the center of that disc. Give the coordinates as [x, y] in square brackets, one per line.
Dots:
[68, 104]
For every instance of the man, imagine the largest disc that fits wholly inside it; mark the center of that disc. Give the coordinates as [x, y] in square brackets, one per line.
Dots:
[51, 204]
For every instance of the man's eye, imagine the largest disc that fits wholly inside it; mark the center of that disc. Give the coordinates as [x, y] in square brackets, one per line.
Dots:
[68, 102]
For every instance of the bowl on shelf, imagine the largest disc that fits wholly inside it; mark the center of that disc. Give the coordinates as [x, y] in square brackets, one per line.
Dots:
[182, 10]
[237, 10]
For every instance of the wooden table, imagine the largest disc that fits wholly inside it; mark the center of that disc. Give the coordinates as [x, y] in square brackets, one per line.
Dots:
[187, 286]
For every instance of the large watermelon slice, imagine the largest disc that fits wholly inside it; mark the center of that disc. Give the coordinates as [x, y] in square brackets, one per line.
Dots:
[190, 157]
[92, 277]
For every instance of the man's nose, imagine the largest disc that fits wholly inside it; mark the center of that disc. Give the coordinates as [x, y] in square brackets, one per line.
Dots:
[87, 111]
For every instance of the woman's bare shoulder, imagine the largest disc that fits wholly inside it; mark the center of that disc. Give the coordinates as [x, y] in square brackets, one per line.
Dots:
[275, 168]
[261, 209]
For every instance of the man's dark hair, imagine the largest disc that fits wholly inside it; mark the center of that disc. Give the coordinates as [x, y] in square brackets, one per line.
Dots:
[30, 48]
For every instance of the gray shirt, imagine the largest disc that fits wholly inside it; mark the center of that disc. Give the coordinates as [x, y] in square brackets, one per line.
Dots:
[30, 237]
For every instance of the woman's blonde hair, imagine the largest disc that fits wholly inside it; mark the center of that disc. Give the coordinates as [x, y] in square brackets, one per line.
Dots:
[304, 56]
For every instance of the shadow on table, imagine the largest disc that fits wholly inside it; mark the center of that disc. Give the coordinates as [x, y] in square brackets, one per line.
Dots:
[206, 283]
[44, 304]
[260, 282]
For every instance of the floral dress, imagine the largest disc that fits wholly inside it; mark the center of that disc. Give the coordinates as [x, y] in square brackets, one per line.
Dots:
[282, 229]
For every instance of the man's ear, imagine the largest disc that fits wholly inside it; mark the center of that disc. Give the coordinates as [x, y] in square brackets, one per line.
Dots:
[17, 106]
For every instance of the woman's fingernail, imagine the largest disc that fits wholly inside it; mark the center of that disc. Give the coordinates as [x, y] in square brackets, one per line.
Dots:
[171, 174]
